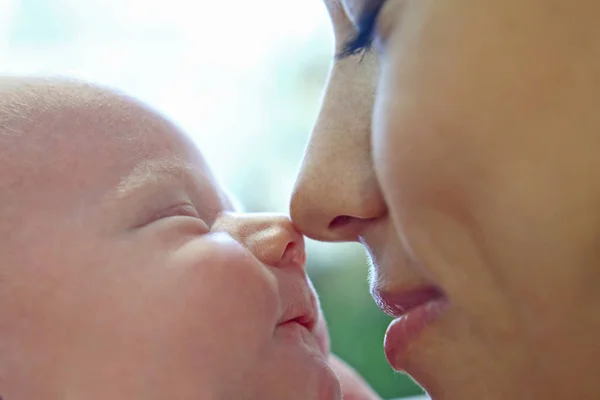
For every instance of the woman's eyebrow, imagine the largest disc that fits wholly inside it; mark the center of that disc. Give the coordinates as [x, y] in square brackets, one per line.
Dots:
[151, 172]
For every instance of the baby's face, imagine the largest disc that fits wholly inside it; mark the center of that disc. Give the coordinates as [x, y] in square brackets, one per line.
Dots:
[120, 275]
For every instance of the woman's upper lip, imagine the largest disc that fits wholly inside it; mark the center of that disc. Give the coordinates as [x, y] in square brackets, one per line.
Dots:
[398, 302]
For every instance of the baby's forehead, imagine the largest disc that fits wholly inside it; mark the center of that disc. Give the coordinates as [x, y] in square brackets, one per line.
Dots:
[48, 110]
[57, 135]
[70, 117]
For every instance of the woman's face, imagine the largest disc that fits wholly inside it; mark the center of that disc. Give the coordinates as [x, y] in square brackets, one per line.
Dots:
[463, 152]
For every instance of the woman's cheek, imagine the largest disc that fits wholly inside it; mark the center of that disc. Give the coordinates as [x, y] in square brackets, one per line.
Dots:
[392, 142]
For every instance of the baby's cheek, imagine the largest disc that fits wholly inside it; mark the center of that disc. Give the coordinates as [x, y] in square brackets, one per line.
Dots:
[230, 288]
[321, 330]
[212, 307]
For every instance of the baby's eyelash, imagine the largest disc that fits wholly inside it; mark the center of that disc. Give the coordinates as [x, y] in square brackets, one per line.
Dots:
[179, 210]
[362, 41]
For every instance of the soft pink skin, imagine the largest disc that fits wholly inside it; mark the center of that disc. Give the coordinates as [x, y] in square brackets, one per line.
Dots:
[125, 273]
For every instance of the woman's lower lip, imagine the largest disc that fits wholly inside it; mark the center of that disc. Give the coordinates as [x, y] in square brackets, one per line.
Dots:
[405, 329]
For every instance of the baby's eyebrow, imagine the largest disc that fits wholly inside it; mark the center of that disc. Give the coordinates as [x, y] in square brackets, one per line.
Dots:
[153, 171]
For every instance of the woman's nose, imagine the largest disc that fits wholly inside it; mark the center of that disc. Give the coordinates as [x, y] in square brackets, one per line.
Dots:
[270, 237]
[337, 195]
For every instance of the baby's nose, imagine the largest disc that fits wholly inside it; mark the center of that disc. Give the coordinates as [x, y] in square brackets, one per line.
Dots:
[270, 237]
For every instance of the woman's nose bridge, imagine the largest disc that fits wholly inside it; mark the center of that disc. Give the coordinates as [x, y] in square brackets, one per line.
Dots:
[270, 237]
[337, 177]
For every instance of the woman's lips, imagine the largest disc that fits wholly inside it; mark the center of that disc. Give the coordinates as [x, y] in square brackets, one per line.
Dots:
[414, 311]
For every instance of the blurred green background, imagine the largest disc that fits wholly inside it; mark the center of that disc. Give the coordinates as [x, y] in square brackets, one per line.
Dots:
[245, 80]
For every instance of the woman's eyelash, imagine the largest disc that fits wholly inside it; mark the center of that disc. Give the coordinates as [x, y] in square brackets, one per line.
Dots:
[362, 41]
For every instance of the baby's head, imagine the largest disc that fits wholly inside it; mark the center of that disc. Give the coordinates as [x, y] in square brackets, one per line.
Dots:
[120, 276]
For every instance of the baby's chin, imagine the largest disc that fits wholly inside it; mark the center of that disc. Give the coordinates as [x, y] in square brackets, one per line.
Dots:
[322, 335]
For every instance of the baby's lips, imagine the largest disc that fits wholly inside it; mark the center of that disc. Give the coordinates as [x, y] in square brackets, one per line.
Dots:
[322, 335]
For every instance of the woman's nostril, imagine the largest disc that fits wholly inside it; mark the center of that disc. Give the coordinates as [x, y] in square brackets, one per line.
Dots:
[340, 221]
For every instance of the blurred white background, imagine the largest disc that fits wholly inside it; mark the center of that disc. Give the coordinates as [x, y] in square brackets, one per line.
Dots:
[214, 67]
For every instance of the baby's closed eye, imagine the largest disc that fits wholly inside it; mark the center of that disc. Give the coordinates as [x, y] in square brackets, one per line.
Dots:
[182, 215]
[179, 210]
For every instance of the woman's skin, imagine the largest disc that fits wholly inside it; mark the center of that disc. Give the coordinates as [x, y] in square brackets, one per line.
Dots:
[464, 153]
